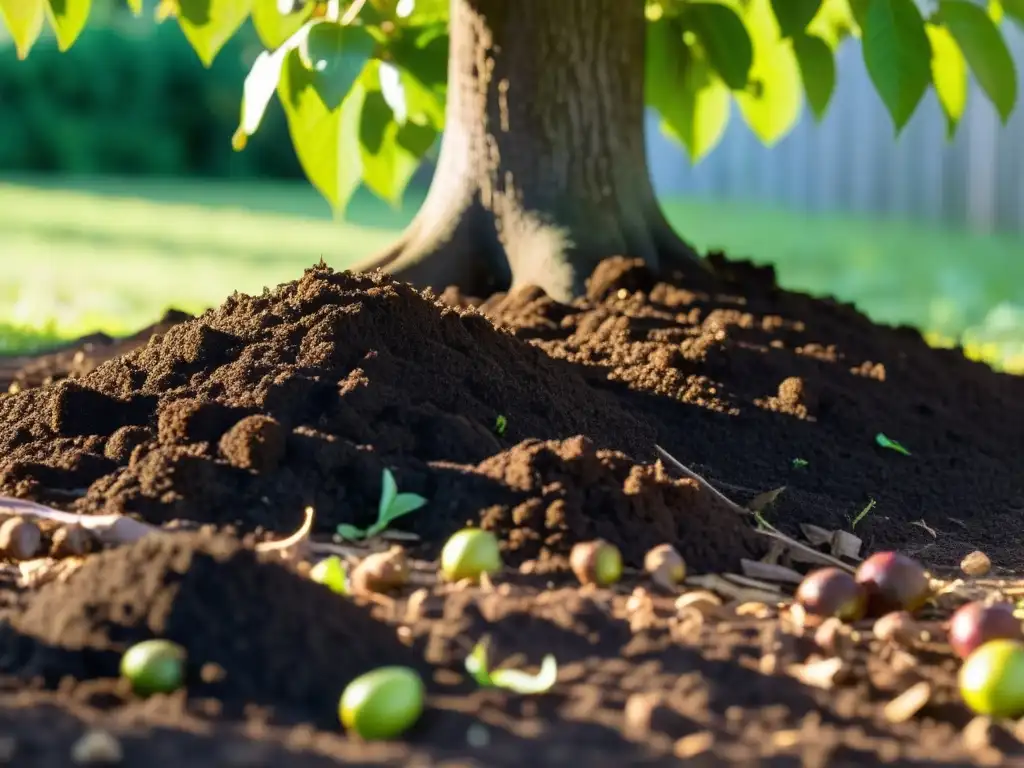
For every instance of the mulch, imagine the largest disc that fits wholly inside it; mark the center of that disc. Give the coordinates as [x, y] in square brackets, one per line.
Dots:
[239, 419]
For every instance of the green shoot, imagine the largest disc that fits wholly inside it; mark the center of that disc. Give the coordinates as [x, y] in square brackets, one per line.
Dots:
[500, 424]
[800, 463]
[331, 573]
[892, 445]
[863, 513]
[393, 505]
[514, 680]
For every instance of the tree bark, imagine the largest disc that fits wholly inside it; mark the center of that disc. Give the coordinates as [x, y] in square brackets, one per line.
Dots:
[542, 171]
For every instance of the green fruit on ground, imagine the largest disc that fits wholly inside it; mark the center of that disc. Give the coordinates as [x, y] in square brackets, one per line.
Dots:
[992, 679]
[382, 704]
[154, 666]
[470, 553]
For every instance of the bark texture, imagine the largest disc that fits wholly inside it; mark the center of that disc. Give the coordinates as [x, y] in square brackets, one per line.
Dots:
[542, 171]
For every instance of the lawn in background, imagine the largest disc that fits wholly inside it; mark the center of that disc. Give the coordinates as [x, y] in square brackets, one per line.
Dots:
[84, 255]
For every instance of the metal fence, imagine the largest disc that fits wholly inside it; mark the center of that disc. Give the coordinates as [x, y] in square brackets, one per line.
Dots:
[852, 162]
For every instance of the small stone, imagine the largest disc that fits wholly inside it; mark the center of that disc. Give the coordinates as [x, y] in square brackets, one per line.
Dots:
[755, 609]
[211, 673]
[639, 714]
[71, 541]
[477, 736]
[381, 572]
[20, 538]
[97, 747]
[830, 635]
[976, 564]
[695, 744]
[898, 627]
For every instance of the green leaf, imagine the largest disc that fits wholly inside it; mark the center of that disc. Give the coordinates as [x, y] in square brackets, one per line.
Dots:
[421, 56]
[817, 70]
[24, 19]
[692, 101]
[794, 15]
[1014, 9]
[388, 486]
[892, 445]
[209, 24]
[517, 681]
[135, 6]
[350, 532]
[725, 40]
[949, 74]
[324, 126]
[985, 51]
[834, 22]
[392, 148]
[422, 11]
[68, 19]
[772, 102]
[260, 85]
[274, 27]
[897, 55]
[337, 53]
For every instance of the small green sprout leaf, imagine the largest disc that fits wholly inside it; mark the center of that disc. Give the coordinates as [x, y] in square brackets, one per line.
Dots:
[514, 680]
[500, 424]
[331, 573]
[863, 513]
[892, 445]
[800, 463]
[392, 506]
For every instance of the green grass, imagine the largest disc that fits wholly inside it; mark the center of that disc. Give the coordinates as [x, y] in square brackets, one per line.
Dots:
[81, 255]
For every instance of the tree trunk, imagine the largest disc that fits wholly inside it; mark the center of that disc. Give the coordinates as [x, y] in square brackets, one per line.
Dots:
[542, 171]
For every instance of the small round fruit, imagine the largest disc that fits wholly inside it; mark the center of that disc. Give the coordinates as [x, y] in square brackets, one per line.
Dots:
[154, 666]
[894, 582]
[992, 679]
[469, 553]
[832, 592]
[382, 704]
[976, 623]
[596, 562]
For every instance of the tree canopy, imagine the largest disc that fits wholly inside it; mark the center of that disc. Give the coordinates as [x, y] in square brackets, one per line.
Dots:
[362, 82]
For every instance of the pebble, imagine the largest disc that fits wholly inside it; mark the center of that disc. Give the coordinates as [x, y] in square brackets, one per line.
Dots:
[976, 564]
[19, 538]
[97, 747]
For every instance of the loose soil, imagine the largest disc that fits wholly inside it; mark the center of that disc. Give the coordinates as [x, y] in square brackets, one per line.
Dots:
[242, 417]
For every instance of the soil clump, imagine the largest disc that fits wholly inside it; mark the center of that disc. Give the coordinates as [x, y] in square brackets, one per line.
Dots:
[257, 633]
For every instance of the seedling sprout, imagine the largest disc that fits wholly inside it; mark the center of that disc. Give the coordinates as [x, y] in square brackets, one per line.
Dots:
[514, 680]
[863, 513]
[392, 506]
[892, 445]
[500, 424]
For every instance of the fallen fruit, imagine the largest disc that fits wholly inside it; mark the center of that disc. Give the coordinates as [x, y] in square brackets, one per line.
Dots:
[383, 703]
[992, 679]
[976, 623]
[596, 562]
[666, 566]
[331, 573]
[894, 582]
[154, 666]
[381, 572]
[470, 553]
[832, 592]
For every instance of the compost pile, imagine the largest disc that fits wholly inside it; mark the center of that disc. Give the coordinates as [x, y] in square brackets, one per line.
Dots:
[301, 396]
[539, 421]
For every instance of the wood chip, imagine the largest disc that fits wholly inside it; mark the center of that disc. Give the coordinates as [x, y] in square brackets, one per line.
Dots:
[758, 569]
[819, 674]
[816, 535]
[846, 544]
[703, 601]
[775, 551]
[754, 609]
[726, 588]
[908, 703]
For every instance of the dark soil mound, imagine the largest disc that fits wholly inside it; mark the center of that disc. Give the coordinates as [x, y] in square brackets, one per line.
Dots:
[301, 396]
[278, 639]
